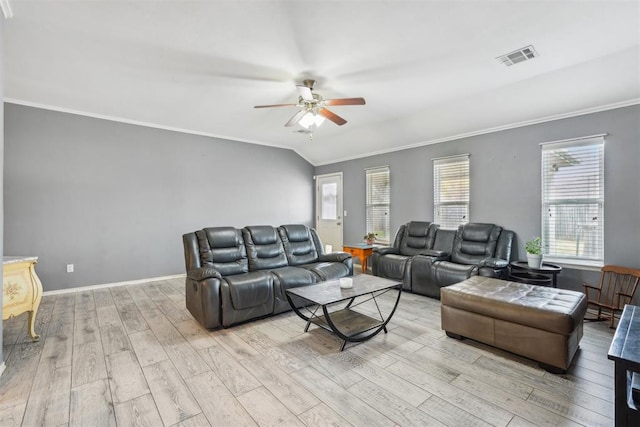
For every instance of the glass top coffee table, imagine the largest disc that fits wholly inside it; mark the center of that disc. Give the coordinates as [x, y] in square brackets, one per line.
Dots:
[342, 311]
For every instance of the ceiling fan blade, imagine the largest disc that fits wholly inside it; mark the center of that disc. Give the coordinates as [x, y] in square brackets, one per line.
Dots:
[296, 118]
[305, 92]
[275, 105]
[332, 116]
[344, 101]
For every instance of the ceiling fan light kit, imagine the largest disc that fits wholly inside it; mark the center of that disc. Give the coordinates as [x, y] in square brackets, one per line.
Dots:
[313, 111]
[310, 119]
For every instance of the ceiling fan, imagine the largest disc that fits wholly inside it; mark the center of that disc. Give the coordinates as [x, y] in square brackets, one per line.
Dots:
[312, 106]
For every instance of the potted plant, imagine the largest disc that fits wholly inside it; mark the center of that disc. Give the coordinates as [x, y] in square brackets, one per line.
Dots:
[534, 252]
[370, 237]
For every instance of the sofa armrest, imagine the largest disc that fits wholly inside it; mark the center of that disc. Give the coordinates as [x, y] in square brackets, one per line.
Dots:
[439, 255]
[334, 257]
[493, 263]
[203, 273]
[384, 250]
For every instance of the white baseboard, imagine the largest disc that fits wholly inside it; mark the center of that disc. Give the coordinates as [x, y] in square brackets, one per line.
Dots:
[111, 285]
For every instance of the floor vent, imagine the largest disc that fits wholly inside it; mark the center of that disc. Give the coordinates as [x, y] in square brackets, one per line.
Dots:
[520, 55]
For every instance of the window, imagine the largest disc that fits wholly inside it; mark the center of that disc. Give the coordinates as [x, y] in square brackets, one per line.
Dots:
[573, 200]
[329, 192]
[378, 203]
[451, 191]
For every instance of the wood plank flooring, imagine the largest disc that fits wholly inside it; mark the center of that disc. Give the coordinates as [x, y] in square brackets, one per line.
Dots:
[133, 355]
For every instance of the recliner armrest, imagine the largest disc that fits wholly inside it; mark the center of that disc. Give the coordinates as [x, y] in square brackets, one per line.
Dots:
[334, 257]
[203, 273]
[439, 255]
[384, 250]
[493, 263]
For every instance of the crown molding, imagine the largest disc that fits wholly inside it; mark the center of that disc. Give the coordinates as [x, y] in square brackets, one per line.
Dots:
[147, 124]
[613, 106]
[576, 113]
[6, 9]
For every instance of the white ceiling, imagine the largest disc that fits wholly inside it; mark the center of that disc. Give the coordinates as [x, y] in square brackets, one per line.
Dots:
[427, 69]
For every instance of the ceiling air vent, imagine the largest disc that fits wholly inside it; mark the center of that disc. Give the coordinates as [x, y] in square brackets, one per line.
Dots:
[519, 55]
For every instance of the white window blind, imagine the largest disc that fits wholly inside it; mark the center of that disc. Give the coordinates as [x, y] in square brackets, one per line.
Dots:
[378, 203]
[573, 201]
[451, 191]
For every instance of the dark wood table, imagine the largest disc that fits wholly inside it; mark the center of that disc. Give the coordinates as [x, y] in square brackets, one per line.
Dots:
[547, 269]
[625, 352]
[339, 307]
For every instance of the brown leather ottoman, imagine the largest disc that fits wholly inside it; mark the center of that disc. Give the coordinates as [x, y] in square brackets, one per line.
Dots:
[544, 324]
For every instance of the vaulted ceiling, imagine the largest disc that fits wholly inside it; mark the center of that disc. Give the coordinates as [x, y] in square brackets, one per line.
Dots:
[427, 69]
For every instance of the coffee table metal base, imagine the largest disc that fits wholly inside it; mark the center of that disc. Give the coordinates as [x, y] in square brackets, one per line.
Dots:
[349, 325]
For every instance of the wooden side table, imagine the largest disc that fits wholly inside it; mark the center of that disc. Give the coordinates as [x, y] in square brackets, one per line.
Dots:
[360, 250]
[21, 289]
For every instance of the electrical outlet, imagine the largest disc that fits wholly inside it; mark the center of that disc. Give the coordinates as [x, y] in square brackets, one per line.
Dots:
[69, 268]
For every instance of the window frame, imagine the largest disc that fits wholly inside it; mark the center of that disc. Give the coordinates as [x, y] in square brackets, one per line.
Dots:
[598, 201]
[437, 164]
[369, 172]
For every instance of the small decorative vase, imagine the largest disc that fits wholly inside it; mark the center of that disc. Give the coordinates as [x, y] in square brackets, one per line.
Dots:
[370, 241]
[534, 260]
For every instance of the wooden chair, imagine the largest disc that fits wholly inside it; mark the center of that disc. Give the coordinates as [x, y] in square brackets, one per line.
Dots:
[617, 288]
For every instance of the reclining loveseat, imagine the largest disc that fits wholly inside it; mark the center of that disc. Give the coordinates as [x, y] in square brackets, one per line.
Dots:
[238, 275]
[474, 249]
[394, 262]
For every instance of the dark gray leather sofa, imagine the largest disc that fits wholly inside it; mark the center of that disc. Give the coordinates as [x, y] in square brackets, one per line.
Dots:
[237, 275]
[474, 249]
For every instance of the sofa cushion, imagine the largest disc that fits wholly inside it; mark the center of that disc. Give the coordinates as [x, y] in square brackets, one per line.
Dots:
[250, 289]
[292, 277]
[264, 248]
[223, 249]
[327, 270]
[286, 278]
[418, 236]
[298, 244]
[447, 272]
[474, 242]
[392, 266]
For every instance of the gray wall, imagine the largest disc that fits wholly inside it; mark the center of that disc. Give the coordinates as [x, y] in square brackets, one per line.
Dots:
[1, 163]
[114, 199]
[506, 182]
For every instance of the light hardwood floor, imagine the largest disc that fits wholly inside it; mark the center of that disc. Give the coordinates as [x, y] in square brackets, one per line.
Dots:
[133, 355]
